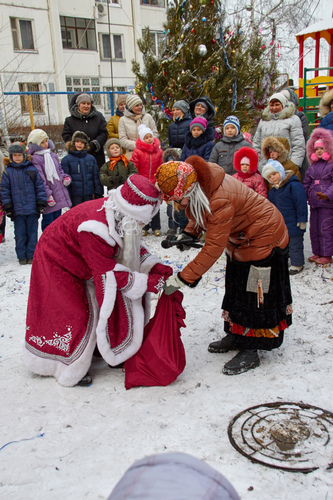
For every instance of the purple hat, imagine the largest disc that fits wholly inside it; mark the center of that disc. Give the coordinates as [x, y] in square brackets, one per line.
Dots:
[200, 122]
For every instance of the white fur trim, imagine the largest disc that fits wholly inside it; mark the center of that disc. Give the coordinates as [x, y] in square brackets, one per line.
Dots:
[98, 228]
[143, 213]
[149, 263]
[138, 324]
[67, 375]
[139, 286]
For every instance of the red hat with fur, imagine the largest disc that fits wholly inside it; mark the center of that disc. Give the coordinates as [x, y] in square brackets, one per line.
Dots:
[248, 153]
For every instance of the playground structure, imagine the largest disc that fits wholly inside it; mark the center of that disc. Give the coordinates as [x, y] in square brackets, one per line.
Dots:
[311, 90]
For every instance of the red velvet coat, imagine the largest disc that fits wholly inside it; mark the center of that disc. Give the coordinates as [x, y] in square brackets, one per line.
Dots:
[81, 296]
[147, 158]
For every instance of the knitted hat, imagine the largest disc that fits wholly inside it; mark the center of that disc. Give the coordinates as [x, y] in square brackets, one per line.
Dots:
[16, 148]
[202, 103]
[199, 121]
[132, 100]
[231, 120]
[121, 98]
[83, 98]
[318, 144]
[109, 143]
[279, 96]
[143, 130]
[271, 167]
[175, 179]
[37, 136]
[80, 136]
[182, 105]
[138, 198]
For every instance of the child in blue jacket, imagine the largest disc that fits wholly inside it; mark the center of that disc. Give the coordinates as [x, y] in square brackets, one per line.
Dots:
[289, 196]
[83, 169]
[23, 198]
[197, 140]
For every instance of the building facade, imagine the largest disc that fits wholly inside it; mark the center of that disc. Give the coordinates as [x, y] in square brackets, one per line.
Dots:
[66, 45]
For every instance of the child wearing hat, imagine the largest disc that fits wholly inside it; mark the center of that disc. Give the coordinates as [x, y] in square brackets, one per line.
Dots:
[318, 184]
[134, 115]
[197, 140]
[232, 140]
[54, 178]
[83, 169]
[277, 148]
[147, 157]
[115, 171]
[288, 195]
[23, 199]
[246, 165]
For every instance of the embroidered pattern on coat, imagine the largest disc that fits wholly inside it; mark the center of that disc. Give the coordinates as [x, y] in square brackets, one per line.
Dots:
[61, 343]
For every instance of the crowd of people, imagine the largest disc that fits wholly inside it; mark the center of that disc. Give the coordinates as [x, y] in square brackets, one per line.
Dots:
[248, 197]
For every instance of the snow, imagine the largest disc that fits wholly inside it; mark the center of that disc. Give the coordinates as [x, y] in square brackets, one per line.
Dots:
[76, 443]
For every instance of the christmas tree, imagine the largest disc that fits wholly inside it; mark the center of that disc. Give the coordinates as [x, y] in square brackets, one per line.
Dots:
[199, 56]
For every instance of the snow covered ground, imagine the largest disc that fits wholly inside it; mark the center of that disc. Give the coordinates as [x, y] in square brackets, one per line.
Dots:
[77, 442]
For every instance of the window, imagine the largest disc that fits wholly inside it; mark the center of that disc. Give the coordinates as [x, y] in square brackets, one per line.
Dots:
[22, 34]
[153, 3]
[36, 100]
[116, 46]
[114, 2]
[78, 33]
[84, 84]
[157, 39]
[107, 105]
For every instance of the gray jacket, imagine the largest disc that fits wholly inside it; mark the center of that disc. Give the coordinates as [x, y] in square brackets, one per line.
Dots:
[283, 124]
[223, 152]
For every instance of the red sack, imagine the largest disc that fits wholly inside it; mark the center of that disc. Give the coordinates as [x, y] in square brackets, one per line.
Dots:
[161, 358]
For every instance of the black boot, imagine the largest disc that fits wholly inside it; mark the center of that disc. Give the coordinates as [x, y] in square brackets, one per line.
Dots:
[85, 381]
[242, 362]
[224, 345]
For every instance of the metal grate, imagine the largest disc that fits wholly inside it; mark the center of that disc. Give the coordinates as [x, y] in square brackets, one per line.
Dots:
[294, 437]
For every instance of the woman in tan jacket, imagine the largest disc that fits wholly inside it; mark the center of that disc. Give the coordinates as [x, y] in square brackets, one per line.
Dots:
[134, 115]
[257, 301]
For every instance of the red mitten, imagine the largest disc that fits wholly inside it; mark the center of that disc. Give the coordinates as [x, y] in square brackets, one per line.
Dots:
[155, 283]
[66, 181]
[51, 201]
[162, 270]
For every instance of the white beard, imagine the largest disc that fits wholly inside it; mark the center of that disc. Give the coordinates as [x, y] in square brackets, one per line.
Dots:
[129, 255]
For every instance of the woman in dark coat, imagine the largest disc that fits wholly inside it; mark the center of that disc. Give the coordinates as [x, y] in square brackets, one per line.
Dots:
[204, 107]
[87, 119]
[180, 125]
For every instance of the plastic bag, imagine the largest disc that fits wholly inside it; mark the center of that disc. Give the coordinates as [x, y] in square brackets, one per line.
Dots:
[161, 358]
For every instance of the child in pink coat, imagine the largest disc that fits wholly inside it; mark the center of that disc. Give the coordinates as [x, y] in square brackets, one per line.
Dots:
[147, 157]
[246, 164]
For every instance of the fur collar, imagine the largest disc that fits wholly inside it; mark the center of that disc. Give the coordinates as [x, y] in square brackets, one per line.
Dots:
[324, 105]
[196, 142]
[7, 161]
[287, 112]
[149, 148]
[280, 144]
[288, 177]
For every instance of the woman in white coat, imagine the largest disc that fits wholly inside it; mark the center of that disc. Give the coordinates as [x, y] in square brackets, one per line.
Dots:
[278, 119]
[134, 115]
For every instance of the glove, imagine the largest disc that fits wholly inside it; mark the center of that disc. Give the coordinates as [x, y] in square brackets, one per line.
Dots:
[41, 210]
[302, 225]
[66, 181]
[321, 196]
[172, 284]
[10, 214]
[185, 236]
[92, 148]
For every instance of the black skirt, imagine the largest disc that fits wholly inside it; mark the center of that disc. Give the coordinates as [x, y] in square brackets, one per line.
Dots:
[243, 306]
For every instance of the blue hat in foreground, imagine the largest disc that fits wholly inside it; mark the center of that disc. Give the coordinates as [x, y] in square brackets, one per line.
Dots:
[271, 167]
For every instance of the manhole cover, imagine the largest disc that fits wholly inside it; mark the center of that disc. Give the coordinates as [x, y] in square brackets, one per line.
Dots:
[294, 437]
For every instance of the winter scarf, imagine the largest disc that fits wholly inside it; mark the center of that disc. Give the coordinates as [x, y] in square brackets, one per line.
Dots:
[115, 160]
[50, 169]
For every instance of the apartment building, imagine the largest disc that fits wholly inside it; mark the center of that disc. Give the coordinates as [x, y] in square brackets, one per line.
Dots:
[66, 45]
